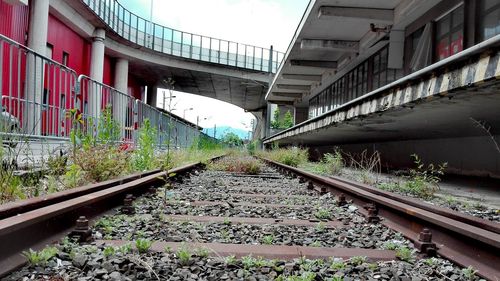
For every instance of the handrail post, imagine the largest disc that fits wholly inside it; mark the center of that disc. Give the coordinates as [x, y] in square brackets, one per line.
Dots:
[271, 59]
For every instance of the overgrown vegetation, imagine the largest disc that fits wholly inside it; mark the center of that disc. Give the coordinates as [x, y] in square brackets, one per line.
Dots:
[421, 181]
[237, 164]
[293, 156]
[40, 257]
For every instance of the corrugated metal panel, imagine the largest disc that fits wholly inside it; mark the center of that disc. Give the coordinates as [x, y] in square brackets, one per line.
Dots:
[14, 21]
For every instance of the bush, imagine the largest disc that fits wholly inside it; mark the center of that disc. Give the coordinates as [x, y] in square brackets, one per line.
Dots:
[247, 165]
[101, 162]
[142, 159]
[289, 156]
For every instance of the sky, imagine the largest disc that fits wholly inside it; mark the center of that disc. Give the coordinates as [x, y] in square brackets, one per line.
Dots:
[255, 22]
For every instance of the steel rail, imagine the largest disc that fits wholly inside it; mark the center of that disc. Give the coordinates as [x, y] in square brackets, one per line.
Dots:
[37, 222]
[455, 238]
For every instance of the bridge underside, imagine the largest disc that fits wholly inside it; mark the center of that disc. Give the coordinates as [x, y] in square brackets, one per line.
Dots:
[245, 93]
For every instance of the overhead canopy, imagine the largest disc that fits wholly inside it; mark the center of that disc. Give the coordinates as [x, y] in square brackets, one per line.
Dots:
[332, 35]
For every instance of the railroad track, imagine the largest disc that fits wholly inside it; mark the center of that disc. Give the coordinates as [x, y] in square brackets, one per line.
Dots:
[298, 216]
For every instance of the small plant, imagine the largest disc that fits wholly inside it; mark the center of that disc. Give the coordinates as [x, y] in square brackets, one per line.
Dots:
[109, 251]
[224, 234]
[184, 255]
[469, 272]
[320, 227]
[322, 214]
[423, 181]
[125, 249]
[389, 245]
[74, 176]
[57, 165]
[230, 260]
[268, 239]
[358, 260]
[337, 265]
[202, 252]
[226, 221]
[41, 257]
[142, 158]
[248, 262]
[143, 245]
[372, 266]
[333, 162]
[431, 261]
[404, 254]
[315, 244]
[305, 276]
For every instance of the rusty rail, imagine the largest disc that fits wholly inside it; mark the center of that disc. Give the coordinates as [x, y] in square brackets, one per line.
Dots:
[465, 241]
[33, 223]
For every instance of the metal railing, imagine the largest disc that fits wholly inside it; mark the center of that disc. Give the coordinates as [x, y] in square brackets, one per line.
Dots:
[97, 101]
[36, 93]
[183, 44]
[39, 96]
[169, 130]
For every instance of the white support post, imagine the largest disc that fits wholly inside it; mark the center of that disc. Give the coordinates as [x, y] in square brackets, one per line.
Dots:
[96, 73]
[37, 41]
[120, 101]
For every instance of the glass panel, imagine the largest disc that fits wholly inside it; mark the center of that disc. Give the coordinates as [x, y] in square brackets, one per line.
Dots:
[458, 17]
[443, 26]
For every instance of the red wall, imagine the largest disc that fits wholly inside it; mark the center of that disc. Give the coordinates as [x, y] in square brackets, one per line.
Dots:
[14, 21]
[134, 87]
[108, 76]
[63, 39]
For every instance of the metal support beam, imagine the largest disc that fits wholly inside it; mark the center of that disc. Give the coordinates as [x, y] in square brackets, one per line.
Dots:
[314, 63]
[304, 77]
[329, 45]
[293, 87]
[281, 102]
[374, 14]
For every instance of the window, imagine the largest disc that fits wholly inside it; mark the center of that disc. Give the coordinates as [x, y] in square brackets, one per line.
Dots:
[489, 20]
[65, 59]
[449, 34]
[379, 75]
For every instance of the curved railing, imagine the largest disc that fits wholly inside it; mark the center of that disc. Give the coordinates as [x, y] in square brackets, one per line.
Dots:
[178, 43]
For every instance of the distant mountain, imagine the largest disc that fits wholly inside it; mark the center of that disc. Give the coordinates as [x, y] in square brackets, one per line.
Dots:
[221, 131]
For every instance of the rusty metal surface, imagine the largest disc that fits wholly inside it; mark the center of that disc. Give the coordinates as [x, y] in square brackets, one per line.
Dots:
[38, 227]
[457, 241]
[270, 251]
[245, 204]
[479, 222]
[249, 220]
[22, 206]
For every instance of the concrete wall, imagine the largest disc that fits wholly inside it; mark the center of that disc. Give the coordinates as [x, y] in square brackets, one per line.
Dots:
[474, 156]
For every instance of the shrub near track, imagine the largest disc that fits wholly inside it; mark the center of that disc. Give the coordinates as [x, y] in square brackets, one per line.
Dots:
[237, 164]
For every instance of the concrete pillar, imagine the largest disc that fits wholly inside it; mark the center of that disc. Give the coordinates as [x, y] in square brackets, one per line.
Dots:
[152, 91]
[301, 114]
[96, 73]
[37, 41]
[97, 55]
[120, 101]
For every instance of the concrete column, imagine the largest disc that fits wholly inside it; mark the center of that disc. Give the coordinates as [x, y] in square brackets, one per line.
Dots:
[120, 101]
[97, 55]
[96, 73]
[37, 41]
[152, 91]
[301, 114]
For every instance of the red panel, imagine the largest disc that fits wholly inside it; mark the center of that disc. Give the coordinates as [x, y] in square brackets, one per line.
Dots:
[63, 39]
[134, 87]
[14, 21]
[109, 70]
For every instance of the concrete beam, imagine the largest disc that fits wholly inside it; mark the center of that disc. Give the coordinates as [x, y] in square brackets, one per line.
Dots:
[293, 87]
[304, 77]
[375, 14]
[286, 94]
[329, 45]
[281, 102]
[314, 63]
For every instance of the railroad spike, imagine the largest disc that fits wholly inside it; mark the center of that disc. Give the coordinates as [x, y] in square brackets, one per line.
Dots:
[424, 244]
[302, 180]
[341, 201]
[82, 231]
[128, 207]
[373, 215]
[310, 185]
[322, 190]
